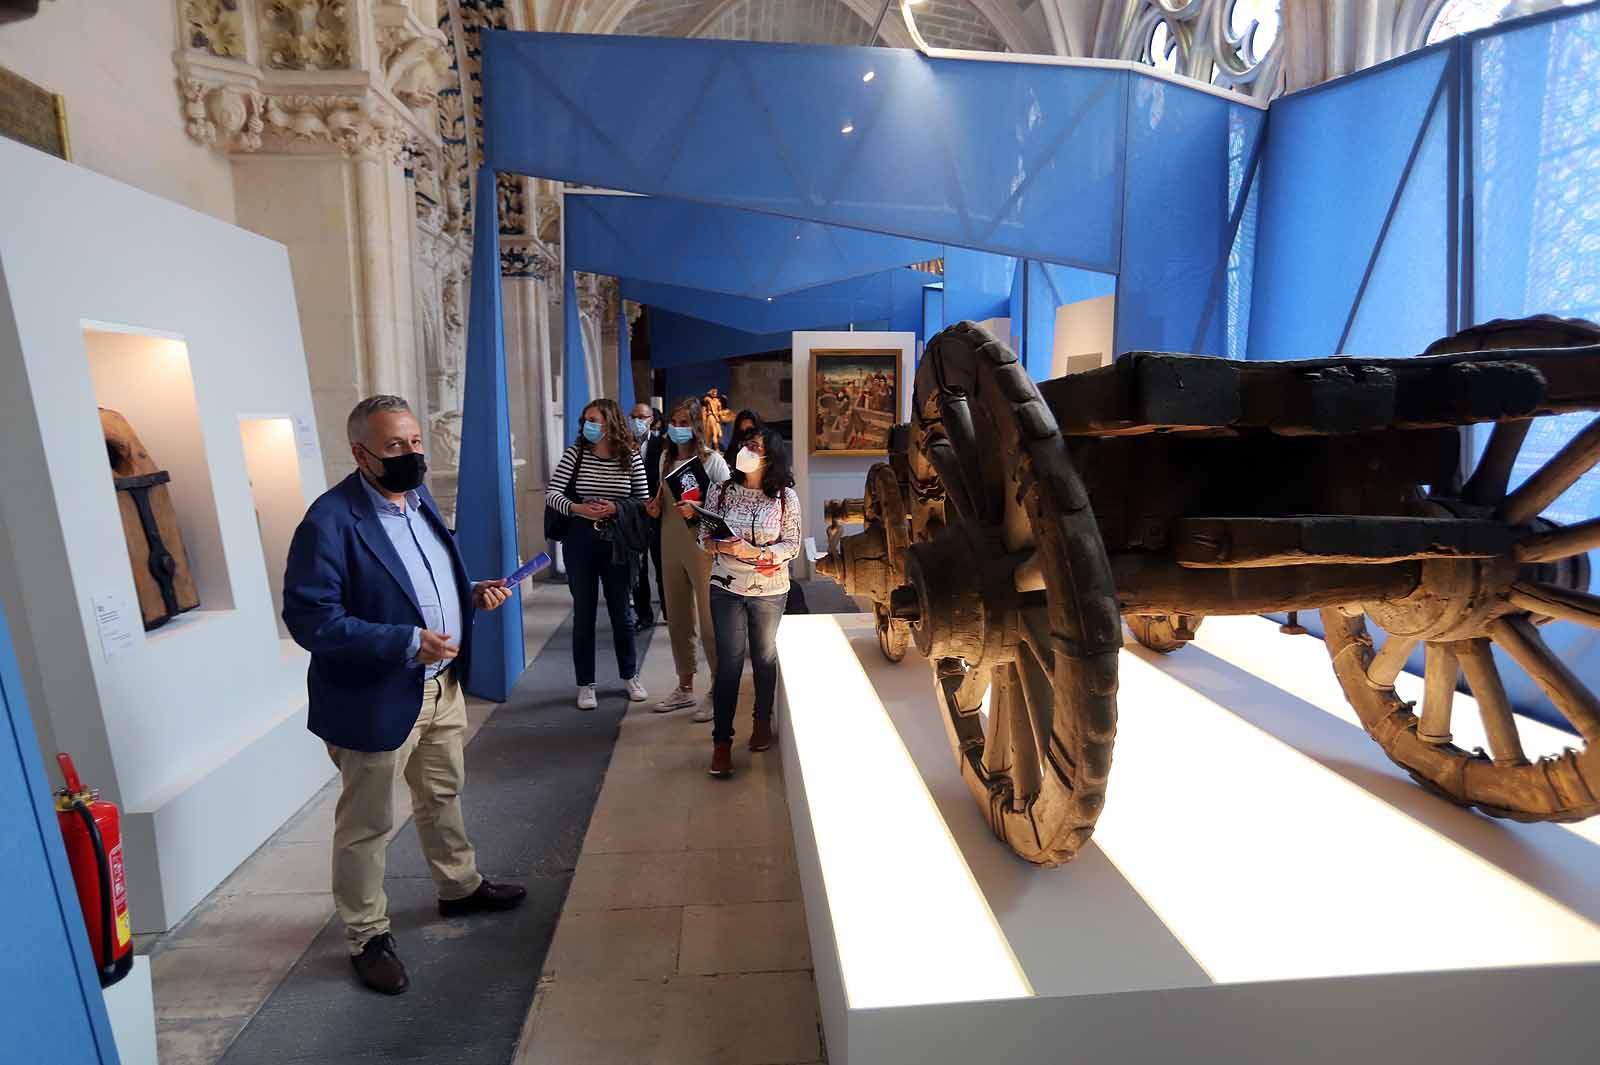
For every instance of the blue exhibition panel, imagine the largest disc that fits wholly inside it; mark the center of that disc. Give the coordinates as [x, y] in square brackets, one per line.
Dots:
[52, 1009]
[1049, 287]
[1178, 214]
[977, 285]
[893, 295]
[722, 249]
[1338, 162]
[486, 515]
[1533, 116]
[1022, 159]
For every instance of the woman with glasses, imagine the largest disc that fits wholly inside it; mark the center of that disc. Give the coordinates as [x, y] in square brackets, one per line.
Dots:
[751, 547]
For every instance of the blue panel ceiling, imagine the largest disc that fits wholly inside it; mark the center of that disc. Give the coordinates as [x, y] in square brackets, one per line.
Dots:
[723, 249]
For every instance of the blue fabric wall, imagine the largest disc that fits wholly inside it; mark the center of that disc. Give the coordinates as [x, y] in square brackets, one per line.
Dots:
[52, 1009]
[722, 249]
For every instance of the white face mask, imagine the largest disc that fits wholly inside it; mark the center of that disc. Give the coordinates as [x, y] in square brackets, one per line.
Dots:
[748, 461]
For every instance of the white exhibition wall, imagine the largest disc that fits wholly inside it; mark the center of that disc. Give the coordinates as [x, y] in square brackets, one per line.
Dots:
[819, 478]
[188, 325]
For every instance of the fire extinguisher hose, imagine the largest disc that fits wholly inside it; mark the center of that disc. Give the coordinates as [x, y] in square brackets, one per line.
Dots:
[104, 865]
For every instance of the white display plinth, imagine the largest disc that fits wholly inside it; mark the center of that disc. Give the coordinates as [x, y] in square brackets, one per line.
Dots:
[131, 1009]
[112, 297]
[1264, 886]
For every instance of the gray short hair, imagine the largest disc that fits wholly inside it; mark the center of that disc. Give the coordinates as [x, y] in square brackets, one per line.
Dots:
[355, 426]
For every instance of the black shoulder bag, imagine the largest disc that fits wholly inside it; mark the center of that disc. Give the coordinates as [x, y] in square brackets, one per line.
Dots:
[557, 524]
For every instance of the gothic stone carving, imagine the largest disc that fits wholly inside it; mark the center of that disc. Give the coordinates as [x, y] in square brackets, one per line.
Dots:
[215, 26]
[306, 34]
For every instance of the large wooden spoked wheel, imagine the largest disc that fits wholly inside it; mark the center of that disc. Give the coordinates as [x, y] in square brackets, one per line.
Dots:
[1044, 664]
[1465, 610]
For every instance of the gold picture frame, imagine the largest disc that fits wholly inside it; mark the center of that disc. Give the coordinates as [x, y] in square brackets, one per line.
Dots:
[33, 115]
[855, 400]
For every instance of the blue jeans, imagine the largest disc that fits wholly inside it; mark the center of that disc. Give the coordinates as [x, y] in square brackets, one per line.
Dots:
[588, 558]
[744, 623]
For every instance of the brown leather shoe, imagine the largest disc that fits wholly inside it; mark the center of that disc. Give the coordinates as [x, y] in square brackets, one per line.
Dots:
[489, 898]
[378, 966]
[722, 760]
[762, 736]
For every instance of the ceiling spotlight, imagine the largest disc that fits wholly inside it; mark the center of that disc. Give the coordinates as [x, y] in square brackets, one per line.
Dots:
[848, 128]
[869, 75]
[769, 299]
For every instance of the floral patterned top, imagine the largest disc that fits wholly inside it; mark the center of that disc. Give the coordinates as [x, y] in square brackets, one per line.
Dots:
[756, 518]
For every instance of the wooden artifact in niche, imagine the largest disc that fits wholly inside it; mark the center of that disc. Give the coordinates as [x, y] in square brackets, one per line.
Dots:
[161, 570]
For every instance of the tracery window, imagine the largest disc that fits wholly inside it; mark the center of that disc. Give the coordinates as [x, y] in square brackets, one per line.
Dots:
[1232, 43]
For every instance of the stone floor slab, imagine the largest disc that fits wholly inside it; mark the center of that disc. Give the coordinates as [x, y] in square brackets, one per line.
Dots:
[616, 945]
[683, 878]
[749, 937]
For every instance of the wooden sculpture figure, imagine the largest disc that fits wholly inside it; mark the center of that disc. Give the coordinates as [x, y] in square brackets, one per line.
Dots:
[714, 414]
[1017, 526]
[161, 571]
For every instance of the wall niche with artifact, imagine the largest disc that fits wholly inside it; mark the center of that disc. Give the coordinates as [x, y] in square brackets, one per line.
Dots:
[156, 457]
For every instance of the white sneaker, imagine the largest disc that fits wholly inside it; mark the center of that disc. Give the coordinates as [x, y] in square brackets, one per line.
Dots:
[586, 699]
[680, 698]
[636, 692]
[706, 711]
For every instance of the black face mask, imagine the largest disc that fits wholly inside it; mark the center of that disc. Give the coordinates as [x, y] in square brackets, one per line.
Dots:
[401, 473]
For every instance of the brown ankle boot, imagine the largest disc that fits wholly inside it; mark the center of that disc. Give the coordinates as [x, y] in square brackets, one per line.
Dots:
[761, 736]
[722, 760]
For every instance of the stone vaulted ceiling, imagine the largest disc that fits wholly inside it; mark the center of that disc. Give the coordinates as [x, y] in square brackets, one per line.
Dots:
[943, 23]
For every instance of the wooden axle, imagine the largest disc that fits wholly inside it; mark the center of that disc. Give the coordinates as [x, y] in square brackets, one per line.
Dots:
[1154, 584]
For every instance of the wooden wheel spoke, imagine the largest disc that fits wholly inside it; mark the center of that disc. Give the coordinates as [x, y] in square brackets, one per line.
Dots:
[946, 463]
[1553, 601]
[1562, 542]
[1487, 486]
[1024, 741]
[1390, 660]
[956, 411]
[1554, 477]
[1494, 707]
[1037, 690]
[1439, 693]
[997, 741]
[1570, 695]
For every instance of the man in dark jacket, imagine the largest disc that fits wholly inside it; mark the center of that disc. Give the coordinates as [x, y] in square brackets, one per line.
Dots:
[650, 429]
[376, 590]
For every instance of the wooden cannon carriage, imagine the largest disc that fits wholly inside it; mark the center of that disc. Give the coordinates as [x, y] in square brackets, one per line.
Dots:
[1016, 526]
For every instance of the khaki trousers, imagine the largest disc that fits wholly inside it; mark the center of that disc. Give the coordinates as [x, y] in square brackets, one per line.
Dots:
[431, 762]
[686, 576]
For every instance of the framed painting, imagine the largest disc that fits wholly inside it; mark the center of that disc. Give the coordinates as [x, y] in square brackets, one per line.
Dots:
[855, 400]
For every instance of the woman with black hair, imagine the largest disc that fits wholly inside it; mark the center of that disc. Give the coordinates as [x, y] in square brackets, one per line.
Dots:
[601, 467]
[750, 584]
[745, 424]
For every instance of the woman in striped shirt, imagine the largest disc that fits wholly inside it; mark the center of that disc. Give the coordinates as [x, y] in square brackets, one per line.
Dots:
[601, 466]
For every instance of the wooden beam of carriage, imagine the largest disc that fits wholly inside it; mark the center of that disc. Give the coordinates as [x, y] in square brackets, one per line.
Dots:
[1154, 583]
[1246, 543]
[1145, 392]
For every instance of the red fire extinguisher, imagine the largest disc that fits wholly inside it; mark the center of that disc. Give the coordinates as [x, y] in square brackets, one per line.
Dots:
[92, 831]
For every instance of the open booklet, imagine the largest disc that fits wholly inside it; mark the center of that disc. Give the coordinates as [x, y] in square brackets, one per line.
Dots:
[715, 527]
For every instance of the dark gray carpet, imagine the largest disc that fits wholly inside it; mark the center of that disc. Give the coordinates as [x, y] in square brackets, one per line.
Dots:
[533, 774]
[825, 597]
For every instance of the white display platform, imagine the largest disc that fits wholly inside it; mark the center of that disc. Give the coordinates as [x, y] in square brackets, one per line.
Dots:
[1264, 886]
[112, 297]
[131, 1009]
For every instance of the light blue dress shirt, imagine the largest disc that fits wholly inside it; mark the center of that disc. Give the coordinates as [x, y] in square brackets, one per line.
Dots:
[427, 561]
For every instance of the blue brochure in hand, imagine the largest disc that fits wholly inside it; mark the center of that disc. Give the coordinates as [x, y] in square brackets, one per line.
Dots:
[534, 565]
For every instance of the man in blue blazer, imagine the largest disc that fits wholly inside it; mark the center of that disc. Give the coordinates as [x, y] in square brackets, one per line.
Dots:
[376, 590]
